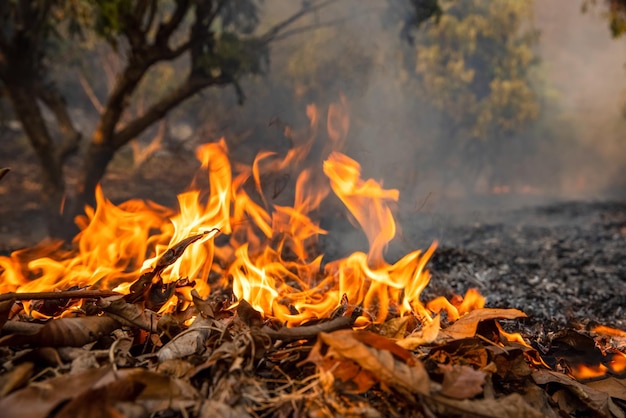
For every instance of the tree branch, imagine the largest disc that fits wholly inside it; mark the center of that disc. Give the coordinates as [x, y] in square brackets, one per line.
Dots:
[166, 29]
[158, 110]
[56, 103]
[276, 29]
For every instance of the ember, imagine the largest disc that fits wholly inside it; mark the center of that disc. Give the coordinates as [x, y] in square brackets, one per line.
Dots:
[214, 306]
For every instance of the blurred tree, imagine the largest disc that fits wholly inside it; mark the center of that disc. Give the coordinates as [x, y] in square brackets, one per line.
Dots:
[216, 36]
[615, 13]
[473, 63]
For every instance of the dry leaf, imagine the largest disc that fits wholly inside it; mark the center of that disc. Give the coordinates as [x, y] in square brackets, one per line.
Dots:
[511, 406]
[461, 382]
[131, 314]
[188, 342]
[465, 327]
[16, 378]
[598, 401]
[38, 400]
[66, 332]
[380, 357]
[5, 310]
[3, 172]
[100, 402]
[616, 388]
[394, 328]
[426, 335]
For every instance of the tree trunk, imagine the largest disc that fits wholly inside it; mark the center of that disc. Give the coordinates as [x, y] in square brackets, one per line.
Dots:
[95, 163]
[53, 186]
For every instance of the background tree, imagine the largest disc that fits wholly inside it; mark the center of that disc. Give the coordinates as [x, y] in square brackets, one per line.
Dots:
[473, 65]
[217, 38]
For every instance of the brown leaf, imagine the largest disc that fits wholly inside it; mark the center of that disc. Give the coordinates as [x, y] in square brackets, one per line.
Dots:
[394, 328]
[461, 382]
[5, 310]
[250, 316]
[390, 364]
[15, 378]
[615, 387]
[132, 314]
[64, 332]
[426, 335]
[188, 342]
[100, 402]
[465, 327]
[203, 306]
[594, 399]
[38, 400]
[3, 172]
[511, 406]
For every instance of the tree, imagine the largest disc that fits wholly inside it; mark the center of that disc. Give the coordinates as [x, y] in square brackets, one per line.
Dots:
[473, 65]
[216, 36]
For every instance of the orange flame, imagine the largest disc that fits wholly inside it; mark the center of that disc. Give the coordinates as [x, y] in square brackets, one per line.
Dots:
[270, 257]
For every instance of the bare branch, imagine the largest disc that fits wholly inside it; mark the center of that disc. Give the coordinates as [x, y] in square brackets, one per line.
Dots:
[97, 104]
[185, 90]
[69, 294]
[276, 29]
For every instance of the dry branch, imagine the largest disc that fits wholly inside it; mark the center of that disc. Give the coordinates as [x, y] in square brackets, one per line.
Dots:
[70, 294]
[306, 332]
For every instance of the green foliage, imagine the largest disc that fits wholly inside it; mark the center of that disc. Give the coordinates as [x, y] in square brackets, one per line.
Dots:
[474, 65]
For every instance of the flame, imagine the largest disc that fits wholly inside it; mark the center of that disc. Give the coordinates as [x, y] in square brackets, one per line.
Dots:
[269, 251]
[584, 371]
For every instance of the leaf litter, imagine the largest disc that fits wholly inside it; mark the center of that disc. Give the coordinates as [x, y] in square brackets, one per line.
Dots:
[118, 357]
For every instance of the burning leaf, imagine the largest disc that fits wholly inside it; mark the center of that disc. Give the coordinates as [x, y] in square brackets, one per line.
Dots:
[202, 305]
[461, 382]
[174, 253]
[250, 316]
[388, 363]
[426, 335]
[395, 328]
[465, 327]
[37, 400]
[64, 332]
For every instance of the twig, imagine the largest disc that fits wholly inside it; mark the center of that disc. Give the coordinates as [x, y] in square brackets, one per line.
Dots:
[306, 332]
[70, 294]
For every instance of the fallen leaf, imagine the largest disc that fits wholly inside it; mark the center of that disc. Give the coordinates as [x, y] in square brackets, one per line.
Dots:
[461, 382]
[394, 328]
[15, 378]
[615, 387]
[132, 314]
[250, 316]
[64, 332]
[188, 342]
[426, 335]
[3, 172]
[390, 364]
[511, 406]
[203, 306]
[596, 400]
[5, 310]
[38, 400]
[100, 402]
[465, 327]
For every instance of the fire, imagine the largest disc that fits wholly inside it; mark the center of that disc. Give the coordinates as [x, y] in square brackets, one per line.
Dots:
[268, 251]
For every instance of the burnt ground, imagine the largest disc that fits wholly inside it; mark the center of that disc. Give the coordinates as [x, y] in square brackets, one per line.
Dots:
[560, 262]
